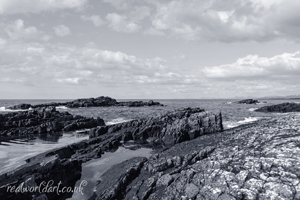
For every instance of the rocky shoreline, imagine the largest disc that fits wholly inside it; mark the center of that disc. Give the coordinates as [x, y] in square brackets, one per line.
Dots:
[42, 120]
[174, 127]
[197, 160]
[89, 102]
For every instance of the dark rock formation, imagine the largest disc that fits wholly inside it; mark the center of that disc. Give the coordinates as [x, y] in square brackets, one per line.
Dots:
[247, 101]
[281, 108]
[90, 102]
[138, 103]
[41, 121]
[169, 129]
[65, 163]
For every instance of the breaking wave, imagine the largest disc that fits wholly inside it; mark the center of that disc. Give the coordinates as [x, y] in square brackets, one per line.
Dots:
[252, 109]
[62, 107]
[117, 121]
[3, 109]
[247, 120]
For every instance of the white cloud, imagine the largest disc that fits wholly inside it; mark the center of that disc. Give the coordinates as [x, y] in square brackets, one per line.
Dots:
[62, 30]
[64, 64]
[36, 6]
[120, 23]
[2, 42]
[235, 20]
[96, 19]
[17, 30]
[285, 66]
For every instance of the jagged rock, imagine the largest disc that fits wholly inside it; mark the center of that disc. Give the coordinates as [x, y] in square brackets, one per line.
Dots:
[247, 101]
[39, 174]
[172, 128]
[114, 180]
[282, 108]
[42, 120]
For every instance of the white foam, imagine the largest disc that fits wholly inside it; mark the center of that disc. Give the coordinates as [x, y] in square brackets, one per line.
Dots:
[229, 102]
[247, 120]
[62, 107]
[117, 121]
[3, 109]
[252, 109]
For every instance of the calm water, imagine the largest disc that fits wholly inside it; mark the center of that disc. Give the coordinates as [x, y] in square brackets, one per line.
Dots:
[13, 154]
[92, 170]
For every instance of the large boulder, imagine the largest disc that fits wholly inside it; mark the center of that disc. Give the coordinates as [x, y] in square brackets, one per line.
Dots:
[281, 108]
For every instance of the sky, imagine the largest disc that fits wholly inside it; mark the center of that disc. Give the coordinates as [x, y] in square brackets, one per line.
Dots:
[149, 49]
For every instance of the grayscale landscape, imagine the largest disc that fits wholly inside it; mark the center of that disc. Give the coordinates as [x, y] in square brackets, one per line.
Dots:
[148, 100]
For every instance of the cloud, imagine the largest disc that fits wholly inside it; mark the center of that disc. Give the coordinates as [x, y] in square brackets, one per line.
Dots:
[37, 6]
[62, 30]
[284, 67]
[120, 23]
[65, 64]
[235, 20]
[153, 31]
[139, 13]
[16, 30]
[96, 19]
[121, 4]
[2, 42]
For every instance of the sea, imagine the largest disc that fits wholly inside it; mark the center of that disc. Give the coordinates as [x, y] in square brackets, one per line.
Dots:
[14, 153]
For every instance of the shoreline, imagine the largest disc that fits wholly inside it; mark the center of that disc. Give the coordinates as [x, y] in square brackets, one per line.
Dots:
[183, 153]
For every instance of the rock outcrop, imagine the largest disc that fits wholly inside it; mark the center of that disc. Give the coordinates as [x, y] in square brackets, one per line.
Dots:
[65, 163]
[253, 161]
[169, 129]
[258, 161]
[281, 108]
[89, 102]
[138, 103]
[247, 101]
[36, 180]
[41, 121]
